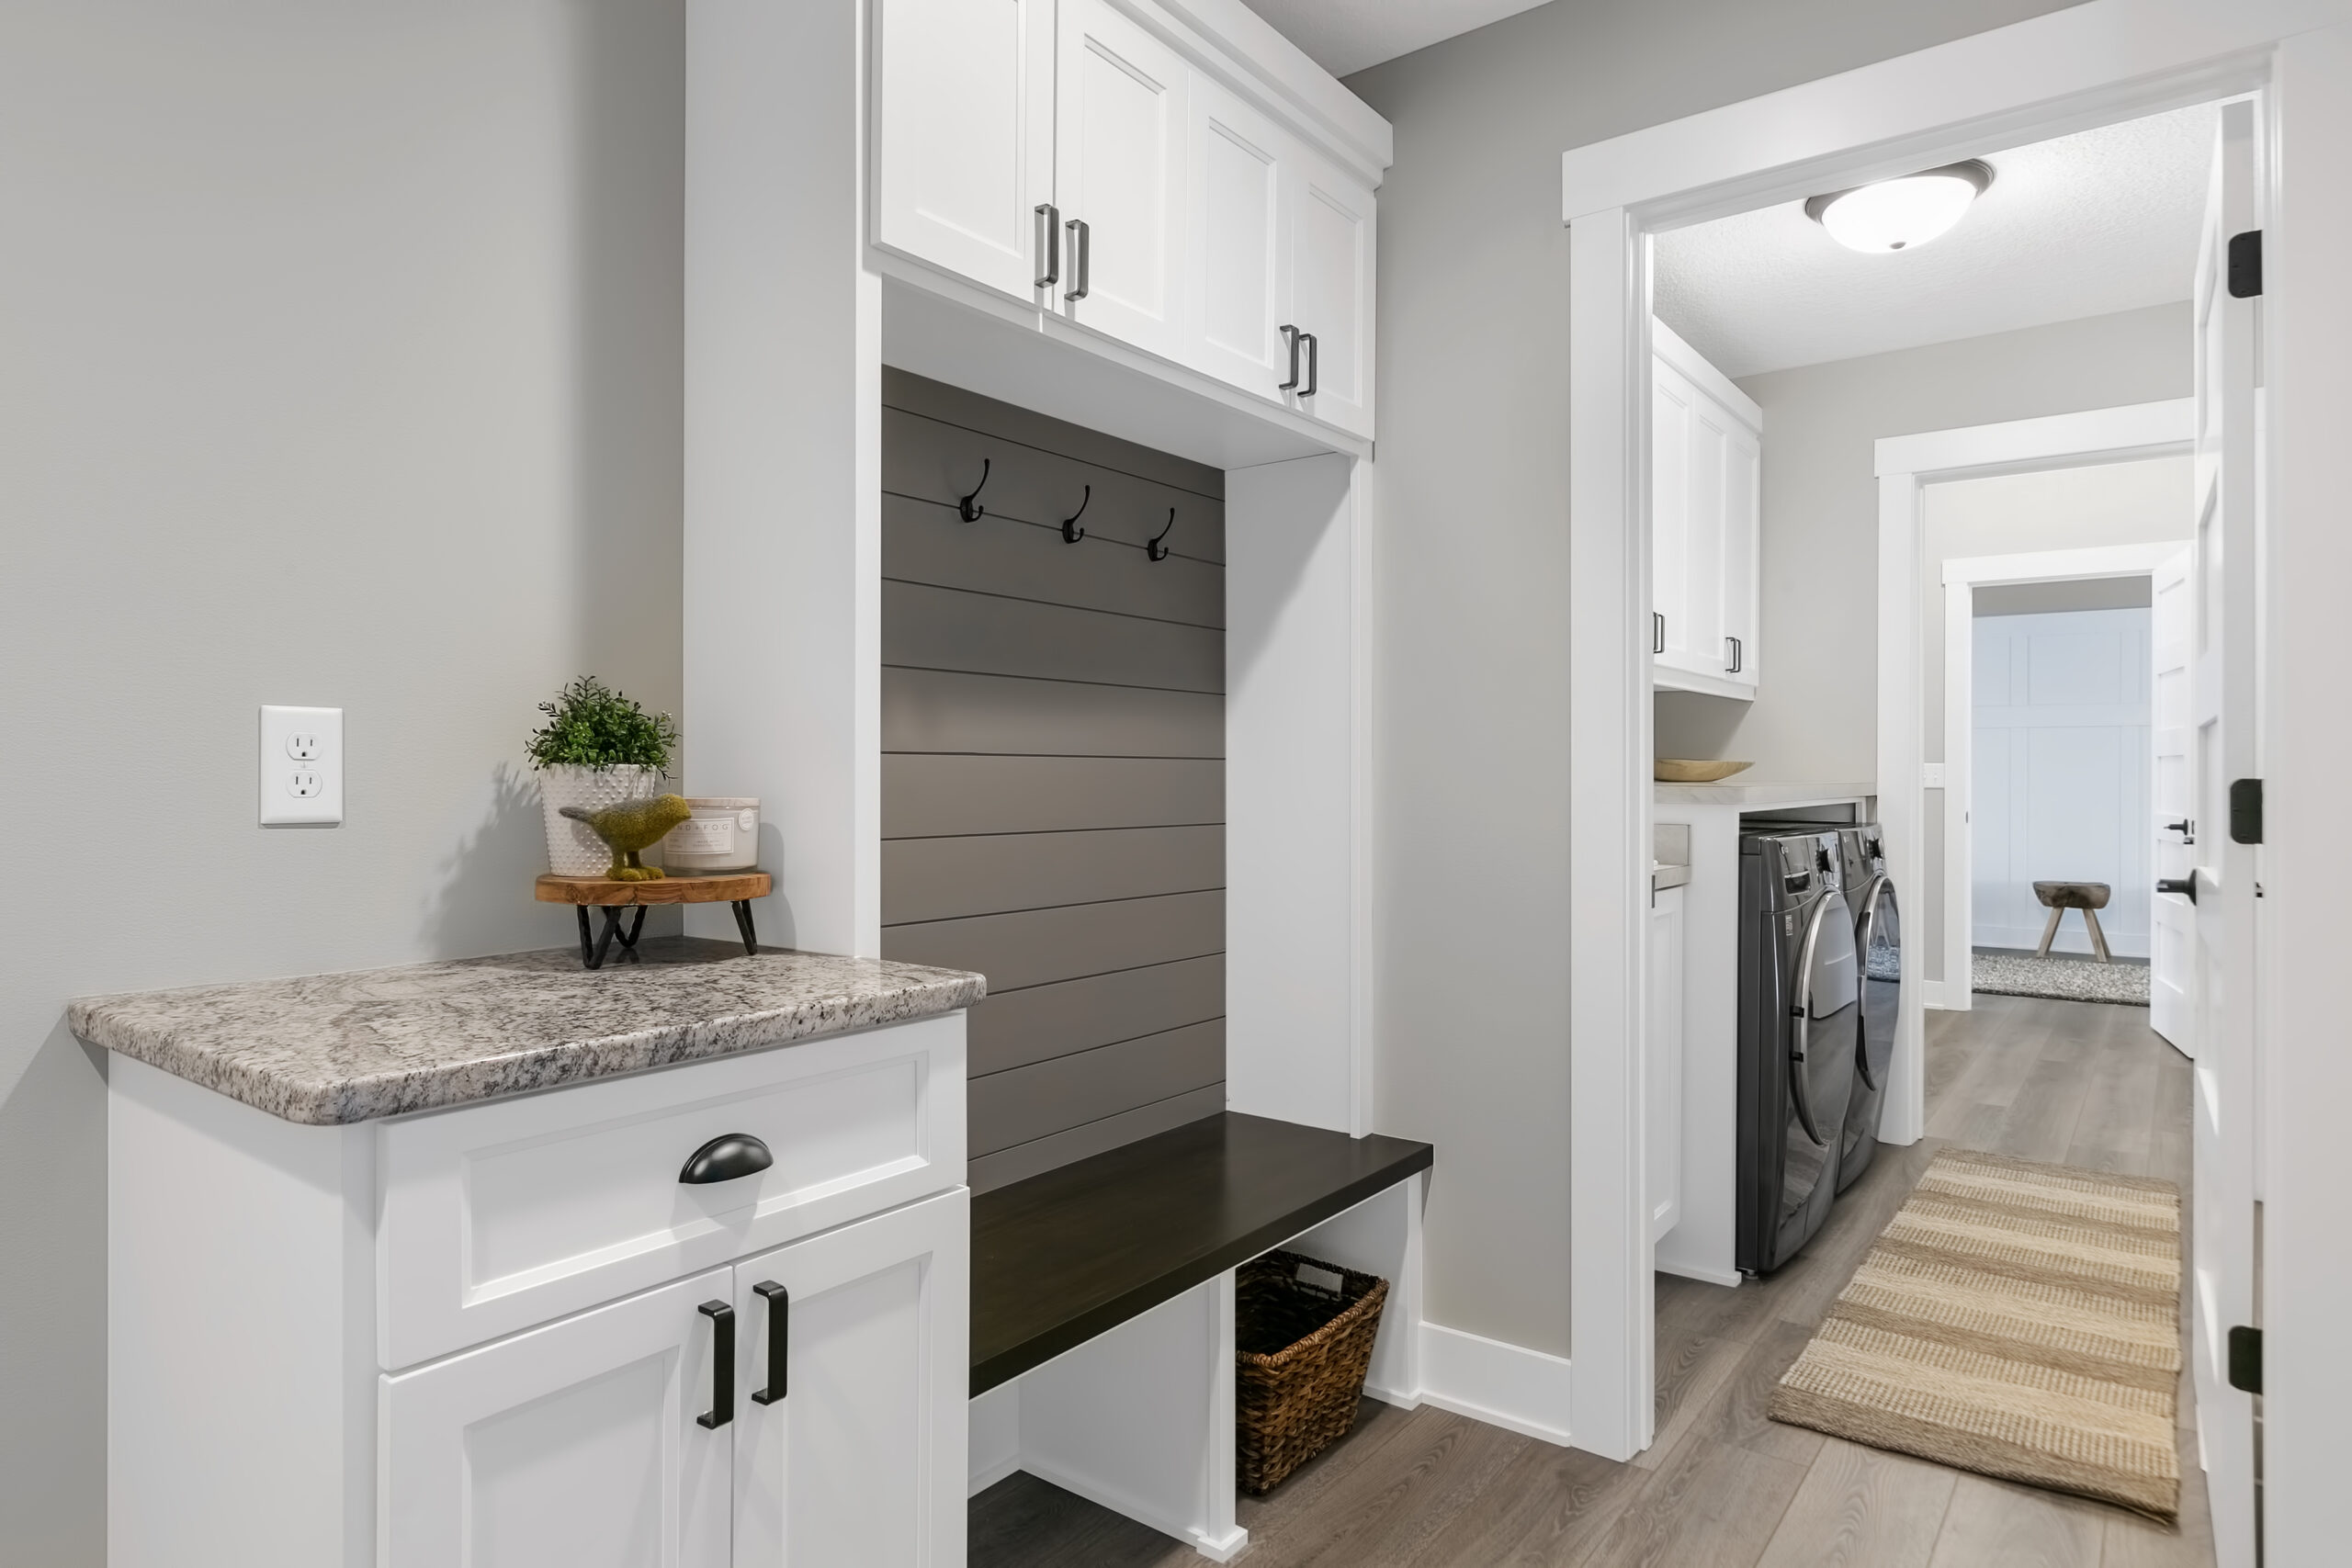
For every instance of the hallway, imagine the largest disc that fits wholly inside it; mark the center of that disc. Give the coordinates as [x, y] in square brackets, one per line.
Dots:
[2079, 1083]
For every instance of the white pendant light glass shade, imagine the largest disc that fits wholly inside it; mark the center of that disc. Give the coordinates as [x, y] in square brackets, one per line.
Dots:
[1901, 214]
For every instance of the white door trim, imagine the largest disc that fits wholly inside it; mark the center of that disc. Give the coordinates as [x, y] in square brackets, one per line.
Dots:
[1961, 578]
[2091, 65]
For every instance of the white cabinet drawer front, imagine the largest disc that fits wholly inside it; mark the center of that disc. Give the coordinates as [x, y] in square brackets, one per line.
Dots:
[504, 1215]
[574, 1445]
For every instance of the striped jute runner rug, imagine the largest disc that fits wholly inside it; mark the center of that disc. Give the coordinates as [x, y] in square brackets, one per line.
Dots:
[2018, 1320]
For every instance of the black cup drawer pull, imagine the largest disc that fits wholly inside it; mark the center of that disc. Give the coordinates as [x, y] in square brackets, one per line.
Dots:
[722, 1364]
[726, 1158]
[779, 1301]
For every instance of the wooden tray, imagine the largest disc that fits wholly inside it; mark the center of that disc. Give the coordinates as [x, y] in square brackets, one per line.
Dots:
[586, 893]
[603, 892]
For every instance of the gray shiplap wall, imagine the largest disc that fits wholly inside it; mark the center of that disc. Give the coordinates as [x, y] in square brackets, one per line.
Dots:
[1053, 767]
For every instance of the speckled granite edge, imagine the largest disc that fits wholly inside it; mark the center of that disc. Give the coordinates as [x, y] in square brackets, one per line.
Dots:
[295, 1064]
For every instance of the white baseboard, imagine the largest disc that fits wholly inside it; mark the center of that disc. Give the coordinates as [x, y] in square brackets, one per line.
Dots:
[1944, 996]
[1222, 1550]
[994, 1435]
[1701, 1272]
[1504, 1386]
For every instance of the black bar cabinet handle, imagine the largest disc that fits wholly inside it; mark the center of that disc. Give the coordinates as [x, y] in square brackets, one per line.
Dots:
[722, 1364]
[779, 1301]
[1290, 336]
[1049, 242]
[1314, 364]
[1081, 260]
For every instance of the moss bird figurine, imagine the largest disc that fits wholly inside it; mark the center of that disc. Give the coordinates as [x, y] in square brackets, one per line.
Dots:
[631, 827]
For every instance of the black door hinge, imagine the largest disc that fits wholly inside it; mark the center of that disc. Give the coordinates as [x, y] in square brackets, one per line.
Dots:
[2246, 811]
[2245, 265]
[2245, 1359]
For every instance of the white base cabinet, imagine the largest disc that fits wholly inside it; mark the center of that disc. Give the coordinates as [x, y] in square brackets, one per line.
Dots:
[1663, 1062]
[1141, 179]
[769, 1370]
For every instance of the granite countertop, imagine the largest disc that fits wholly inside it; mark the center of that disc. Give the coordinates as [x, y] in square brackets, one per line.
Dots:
[326, 1049]
[1761, 794]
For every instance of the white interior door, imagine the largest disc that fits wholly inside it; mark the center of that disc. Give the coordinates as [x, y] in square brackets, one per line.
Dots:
[2222, 985]
[963, 135]
[850, 1446]
[571, 1446]
[2171, 792]
[1120, 138]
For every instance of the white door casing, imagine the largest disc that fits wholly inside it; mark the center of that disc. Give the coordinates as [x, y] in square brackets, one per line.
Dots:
[963, 136]
[2222, 749]
[1121, 131]
[2172, 795]
[570, 1446]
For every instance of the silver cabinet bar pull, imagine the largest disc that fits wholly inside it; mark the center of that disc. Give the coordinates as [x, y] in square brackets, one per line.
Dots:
[1081, 260]
[1291, 339]
[1049, 243]
[1314, 364]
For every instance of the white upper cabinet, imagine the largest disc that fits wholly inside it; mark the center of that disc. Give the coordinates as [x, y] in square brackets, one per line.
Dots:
[1330, 219]
[963, 127]
[1707, 444]
[1119, 156]
[1239, 161]
[1205, 199]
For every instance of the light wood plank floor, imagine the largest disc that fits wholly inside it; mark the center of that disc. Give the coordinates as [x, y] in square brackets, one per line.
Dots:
[1723, 1486]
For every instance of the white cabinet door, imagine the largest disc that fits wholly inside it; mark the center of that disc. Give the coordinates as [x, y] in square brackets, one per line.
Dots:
[1238, 248]
[1706, 515]
[1742, 536]
[1120, 135]
[1662, 1086]
[572, 1446]
[963, 136]
[1330, 219]
[850, 1436]
[1686, 533]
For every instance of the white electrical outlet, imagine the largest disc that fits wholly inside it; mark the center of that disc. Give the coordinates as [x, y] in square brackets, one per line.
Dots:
[301, 767]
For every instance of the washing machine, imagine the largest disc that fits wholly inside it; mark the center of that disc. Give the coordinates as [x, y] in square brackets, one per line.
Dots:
[1800, 1034]
[1878, 942]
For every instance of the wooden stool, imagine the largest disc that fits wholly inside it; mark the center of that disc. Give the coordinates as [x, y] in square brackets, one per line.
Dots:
[585, 893]
[2058, 898]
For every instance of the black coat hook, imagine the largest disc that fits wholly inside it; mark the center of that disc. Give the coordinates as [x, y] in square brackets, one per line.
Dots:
[1072, 532]
[1156, 550]
[964, 508]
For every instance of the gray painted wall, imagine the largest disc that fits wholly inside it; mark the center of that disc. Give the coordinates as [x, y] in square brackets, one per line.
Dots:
[1053, 767]
[343, 367]
[1815, 716]
[1470, 517]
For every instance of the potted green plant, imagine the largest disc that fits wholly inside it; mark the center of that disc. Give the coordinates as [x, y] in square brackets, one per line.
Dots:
[598, 748]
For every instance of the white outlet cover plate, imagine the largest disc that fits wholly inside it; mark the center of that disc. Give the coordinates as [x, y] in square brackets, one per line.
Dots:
[301, 767]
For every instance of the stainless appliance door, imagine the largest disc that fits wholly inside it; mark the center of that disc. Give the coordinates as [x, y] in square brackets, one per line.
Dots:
[1879, 933]
[1826, 1005]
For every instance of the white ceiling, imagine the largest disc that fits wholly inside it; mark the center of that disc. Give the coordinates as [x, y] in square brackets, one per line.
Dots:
[1345, 35]
[2082, 226]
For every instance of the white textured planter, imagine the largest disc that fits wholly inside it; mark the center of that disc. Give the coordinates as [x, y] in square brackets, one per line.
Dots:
[573, 849]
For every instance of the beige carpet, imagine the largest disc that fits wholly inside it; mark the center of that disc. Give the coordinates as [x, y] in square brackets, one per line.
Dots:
[2018, 1320]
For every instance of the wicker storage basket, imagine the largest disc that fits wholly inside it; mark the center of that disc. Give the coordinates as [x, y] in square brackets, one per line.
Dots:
[1302, 1348]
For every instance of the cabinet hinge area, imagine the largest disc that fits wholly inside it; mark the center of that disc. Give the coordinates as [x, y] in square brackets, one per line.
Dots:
[2245, 1358]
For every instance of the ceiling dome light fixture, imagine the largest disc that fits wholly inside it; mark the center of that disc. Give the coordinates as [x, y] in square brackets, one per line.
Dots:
[1901, 214]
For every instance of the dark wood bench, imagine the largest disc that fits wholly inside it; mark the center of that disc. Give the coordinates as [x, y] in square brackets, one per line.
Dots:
[1061, 1257]
[1104, 1305]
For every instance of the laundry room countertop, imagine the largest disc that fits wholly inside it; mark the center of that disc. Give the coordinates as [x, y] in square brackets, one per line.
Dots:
[352, 1047]
[1749, 796]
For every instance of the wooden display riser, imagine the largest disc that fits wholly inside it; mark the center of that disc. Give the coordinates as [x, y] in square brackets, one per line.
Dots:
[585, 893]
